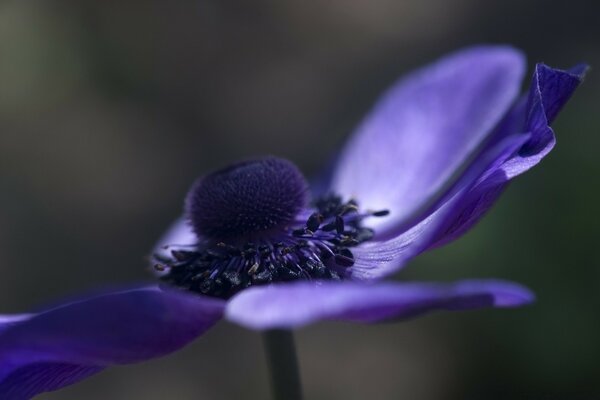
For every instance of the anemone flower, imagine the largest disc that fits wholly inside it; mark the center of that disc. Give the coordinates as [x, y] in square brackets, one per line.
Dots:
[256, 248]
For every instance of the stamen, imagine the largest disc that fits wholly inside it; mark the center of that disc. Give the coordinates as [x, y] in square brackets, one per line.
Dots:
[316, 248]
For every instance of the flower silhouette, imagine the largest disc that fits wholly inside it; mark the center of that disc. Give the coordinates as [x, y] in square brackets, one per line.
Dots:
[257, 248]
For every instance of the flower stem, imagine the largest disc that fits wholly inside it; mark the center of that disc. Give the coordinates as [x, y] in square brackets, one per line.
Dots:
[283, 364]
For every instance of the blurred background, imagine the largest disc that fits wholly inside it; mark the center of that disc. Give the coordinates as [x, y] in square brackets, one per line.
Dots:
[109, 110]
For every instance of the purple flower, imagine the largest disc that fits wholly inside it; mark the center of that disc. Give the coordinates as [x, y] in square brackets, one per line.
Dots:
[256, 249]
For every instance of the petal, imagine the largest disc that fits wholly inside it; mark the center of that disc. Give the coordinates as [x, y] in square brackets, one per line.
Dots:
[425, 128]
[550, 90]
[377, 259]
[30, 380]
[8, 320]
[179, 234]
[297, 304]
[54, 348]
[483, 182]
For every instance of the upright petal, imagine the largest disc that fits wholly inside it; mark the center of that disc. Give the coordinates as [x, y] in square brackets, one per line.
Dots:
[550, 90]
[480, 186]
[294, 305]
[377, 259]
[426, 128]
[49, 350]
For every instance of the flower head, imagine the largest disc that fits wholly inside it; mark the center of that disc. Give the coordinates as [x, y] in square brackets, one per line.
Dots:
[257, 247]
[253, 227]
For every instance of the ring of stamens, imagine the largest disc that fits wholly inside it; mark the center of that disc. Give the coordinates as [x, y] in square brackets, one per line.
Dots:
[316, 246]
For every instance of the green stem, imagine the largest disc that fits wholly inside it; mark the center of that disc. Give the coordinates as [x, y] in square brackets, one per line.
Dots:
[283, 365]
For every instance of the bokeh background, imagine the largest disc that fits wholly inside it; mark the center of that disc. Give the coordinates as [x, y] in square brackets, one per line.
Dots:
[109, 110]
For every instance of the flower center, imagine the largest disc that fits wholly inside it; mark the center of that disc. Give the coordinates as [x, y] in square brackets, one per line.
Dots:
[254, 228]
[247, 199]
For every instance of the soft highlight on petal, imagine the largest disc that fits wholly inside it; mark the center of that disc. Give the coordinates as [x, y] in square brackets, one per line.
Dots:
[375, 260]
[550, 90]
[507, 155]
[7, 321]
[60, 346]
[179, 234]
[298, 304]
[425, 128]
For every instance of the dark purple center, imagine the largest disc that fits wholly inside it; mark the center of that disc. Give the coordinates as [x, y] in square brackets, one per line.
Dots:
[255, 227]
[247, 199]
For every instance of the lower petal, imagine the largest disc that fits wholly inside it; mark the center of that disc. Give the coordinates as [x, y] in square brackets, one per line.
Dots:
[45, 351]
[7, 321]
[288, 306]
[28, 381]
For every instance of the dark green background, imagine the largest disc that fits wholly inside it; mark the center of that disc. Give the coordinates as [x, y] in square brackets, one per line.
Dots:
[109, 110]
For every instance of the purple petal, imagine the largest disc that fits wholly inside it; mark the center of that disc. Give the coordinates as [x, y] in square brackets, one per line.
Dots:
[301, 303]
[425, 128]
[179, 234]
[484, 181]
[7, 321]
[377, 259]
[30, 380]
[54, 348]
[550, 90]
